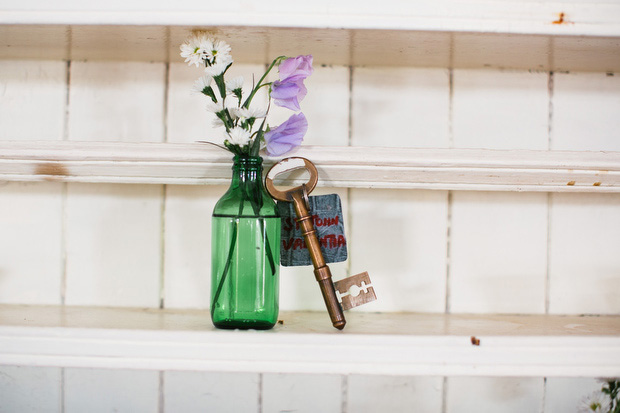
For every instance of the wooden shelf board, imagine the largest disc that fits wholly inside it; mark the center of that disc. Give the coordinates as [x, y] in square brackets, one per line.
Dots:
[372, 343]
[353, 167]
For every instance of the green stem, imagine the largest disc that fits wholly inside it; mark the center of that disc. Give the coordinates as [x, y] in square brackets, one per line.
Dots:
[231, 250]
[256, 209]
[247, 102]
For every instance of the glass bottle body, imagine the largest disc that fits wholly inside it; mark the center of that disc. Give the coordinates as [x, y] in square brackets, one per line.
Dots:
[245, 252]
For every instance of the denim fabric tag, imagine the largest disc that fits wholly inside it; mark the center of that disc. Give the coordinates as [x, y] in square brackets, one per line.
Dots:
[326, 212]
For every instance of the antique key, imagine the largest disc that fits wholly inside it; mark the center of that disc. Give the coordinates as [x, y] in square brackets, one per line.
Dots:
[322, 273]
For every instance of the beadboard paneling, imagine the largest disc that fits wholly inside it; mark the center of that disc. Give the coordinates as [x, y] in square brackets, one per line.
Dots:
[192, 391]
[498, 257]
[400, 238]
[113, 245]
[563, 394]
[30, 389]
[110, 390]
[187, 245]
[378, 394]
[113, 232]
[584, 267]
[31, 226]
[33, 97]
[482, 394]
[498, 240]
[400, 107]
[586, 112]
[304, 393]
[584, 264]
[500, 109]
[116, 101]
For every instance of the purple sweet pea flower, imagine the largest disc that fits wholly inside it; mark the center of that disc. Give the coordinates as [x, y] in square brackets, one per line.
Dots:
[288, 94]
[290, 89]
[287, 136]
[295, 68]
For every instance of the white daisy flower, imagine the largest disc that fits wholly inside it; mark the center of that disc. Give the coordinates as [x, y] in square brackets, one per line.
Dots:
[234, 84]
[191, 51]
[205, 43]
[596, 402]
[238, 136]
[201, 83]
[219, 51]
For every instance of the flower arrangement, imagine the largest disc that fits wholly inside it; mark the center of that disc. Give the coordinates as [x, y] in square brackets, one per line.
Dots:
[244, 120]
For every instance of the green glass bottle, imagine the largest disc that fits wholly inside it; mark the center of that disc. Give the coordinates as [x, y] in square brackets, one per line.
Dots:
[245, 252]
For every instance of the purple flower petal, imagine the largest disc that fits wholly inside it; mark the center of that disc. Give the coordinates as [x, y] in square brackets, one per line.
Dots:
[296, 68]
[287, 136]
[288, 94]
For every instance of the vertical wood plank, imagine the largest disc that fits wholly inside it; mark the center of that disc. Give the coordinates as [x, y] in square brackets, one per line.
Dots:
[500, 109]
[400, 107]
[584, 261]
[491, 394]
[301, 393]
[34, 94]
[586, 112]
[113, 243]
[499, 240]
[101, 390]
[30, 389]
[399, 236]
[114, 231]
[193, 391]
[32, 107]
[568, 394]
[584, 264]
[116, 101]
[187, 264]
[498, 254]
[376, 394]
[30, 243]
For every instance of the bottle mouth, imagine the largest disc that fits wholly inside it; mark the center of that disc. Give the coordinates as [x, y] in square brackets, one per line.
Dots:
[251, 161]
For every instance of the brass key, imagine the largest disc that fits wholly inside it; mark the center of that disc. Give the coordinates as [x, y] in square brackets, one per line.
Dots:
[299, 197]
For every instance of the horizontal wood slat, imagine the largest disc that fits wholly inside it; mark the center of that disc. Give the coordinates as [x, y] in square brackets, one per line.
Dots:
[393, 344]
[353, 167]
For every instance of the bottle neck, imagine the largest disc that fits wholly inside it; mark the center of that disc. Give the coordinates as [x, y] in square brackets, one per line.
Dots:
[247, 171]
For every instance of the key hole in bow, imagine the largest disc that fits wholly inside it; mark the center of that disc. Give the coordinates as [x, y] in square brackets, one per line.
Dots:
[289, 179]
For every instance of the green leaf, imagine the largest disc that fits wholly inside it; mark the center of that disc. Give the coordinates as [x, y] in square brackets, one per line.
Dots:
[221, 85]
[256, 144]
[208, 90]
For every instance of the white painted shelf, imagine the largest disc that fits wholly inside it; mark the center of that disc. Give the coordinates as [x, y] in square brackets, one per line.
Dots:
[354, 167]
[371, 343]
[541, 35]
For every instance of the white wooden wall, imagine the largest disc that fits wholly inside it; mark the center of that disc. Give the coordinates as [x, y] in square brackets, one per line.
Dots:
[427, 251]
